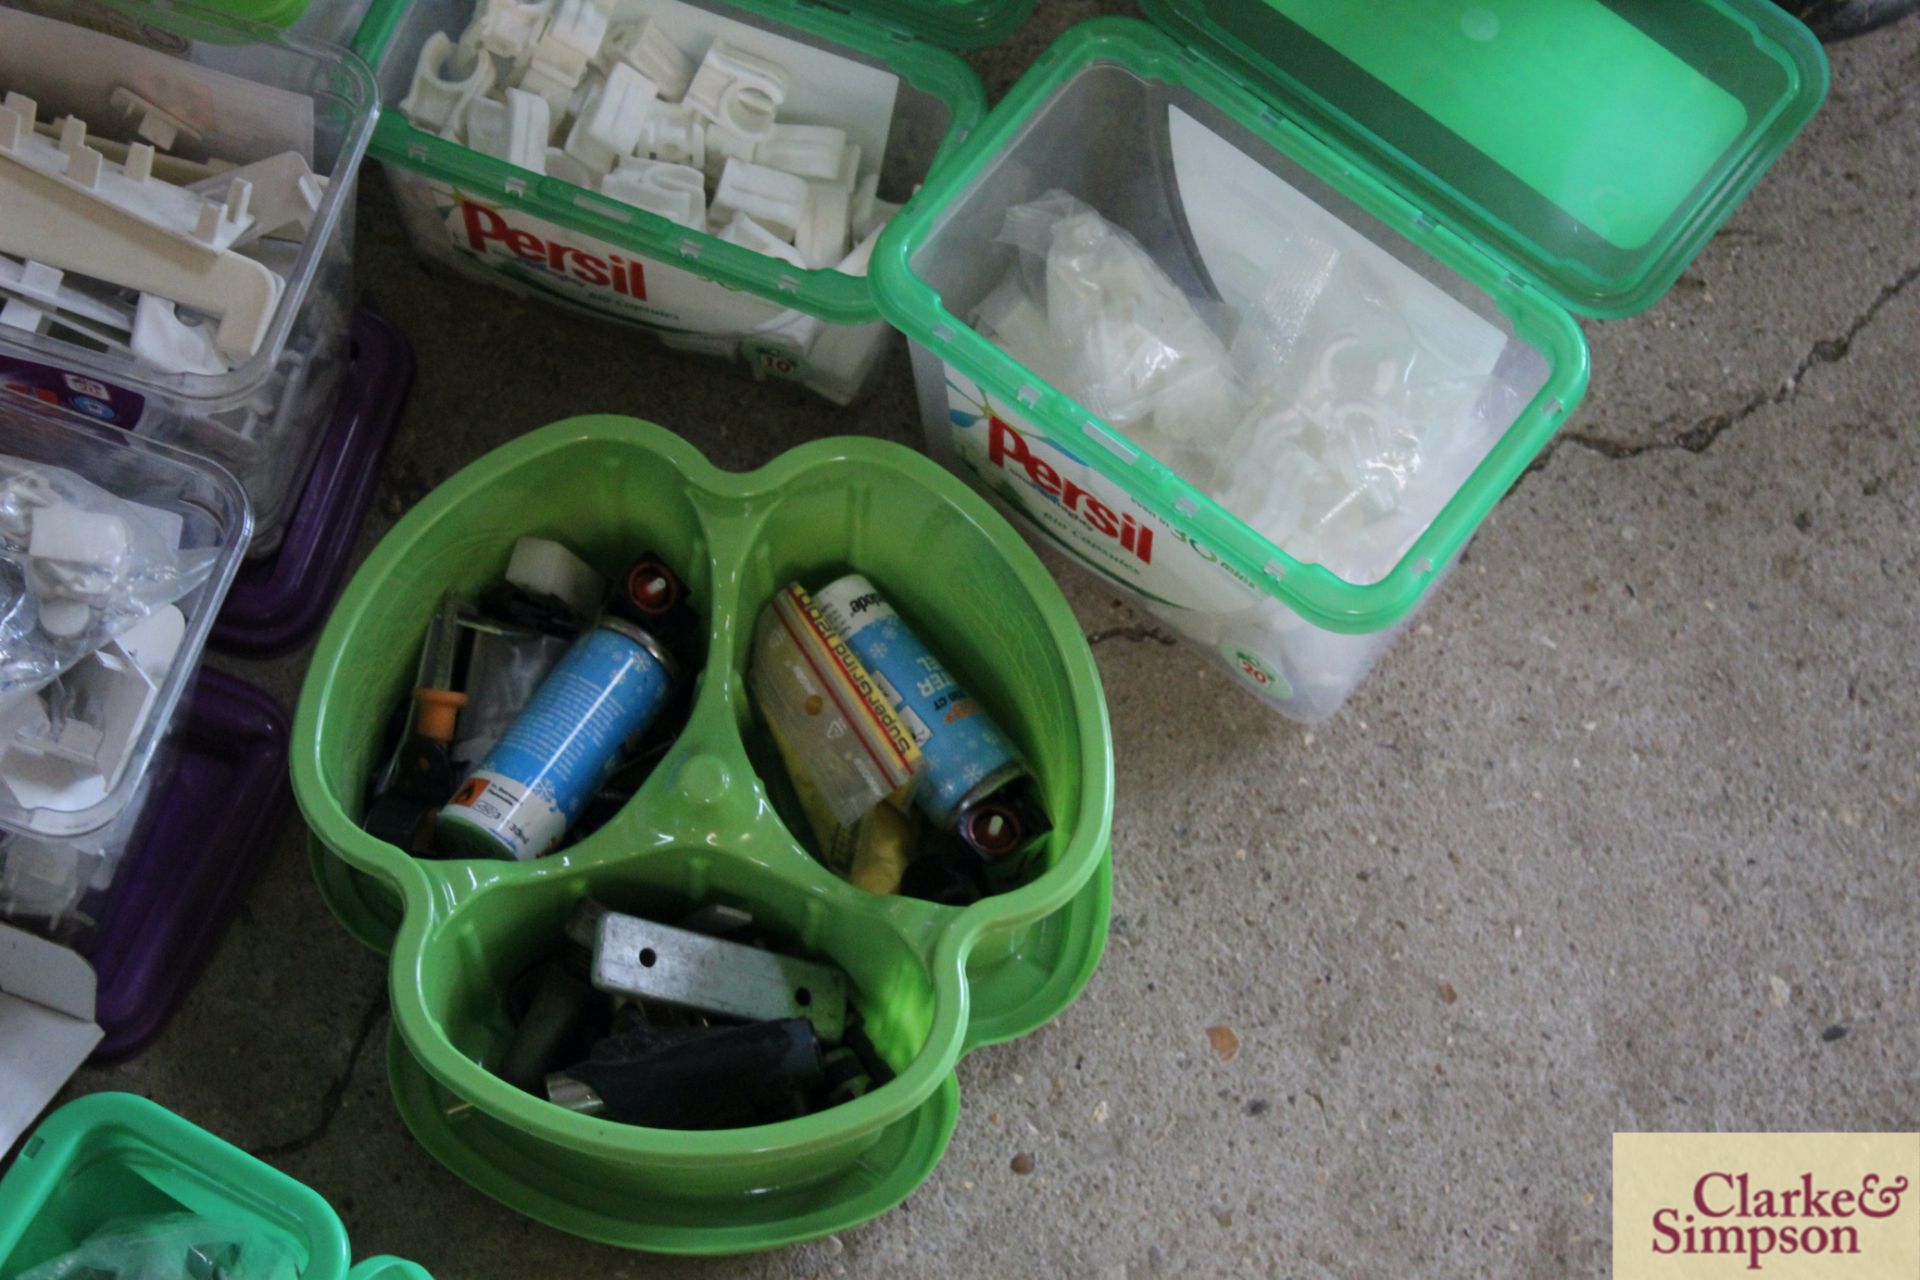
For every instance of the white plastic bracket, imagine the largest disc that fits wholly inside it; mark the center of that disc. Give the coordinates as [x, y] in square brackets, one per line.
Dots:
[610, 123]
[129, 188]
[648, 49]
[572, 39]
[670, 190]
[150, 121]
[804, 150]
[514, 130]
[737, 89]
[748, 234]
[823, 236]
[43, 220]
[775, 200]
[286, 195]
[677, 134]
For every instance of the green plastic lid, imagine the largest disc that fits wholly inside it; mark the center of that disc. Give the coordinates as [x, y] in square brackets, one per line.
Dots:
[1595, 145]
[952, 24]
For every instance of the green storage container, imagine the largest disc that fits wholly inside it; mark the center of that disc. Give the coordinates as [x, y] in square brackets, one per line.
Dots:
[932, 982]
[112, 1156]
[542, 237]
[1534, 159]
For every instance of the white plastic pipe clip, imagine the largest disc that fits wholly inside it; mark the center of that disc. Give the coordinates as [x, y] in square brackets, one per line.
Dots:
[804, 150]
[823, 236]
[556, 90]
[738, 90]
[508, 28]
[775, 200]
[647, 48]
[612, 120]
[572, 39]
[724, 144]
[748, 234]
[670, 190]
[867, 212]
[677, 134]
[439, 103]
[514, 130]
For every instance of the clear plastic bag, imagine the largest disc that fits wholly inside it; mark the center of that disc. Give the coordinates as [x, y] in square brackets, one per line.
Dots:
[1119, 335]
[78, 567]
[1351, 402]
[178, 1246]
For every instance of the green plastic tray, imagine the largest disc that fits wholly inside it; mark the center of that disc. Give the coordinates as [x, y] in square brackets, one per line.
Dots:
[933, 982]
[110, 1156]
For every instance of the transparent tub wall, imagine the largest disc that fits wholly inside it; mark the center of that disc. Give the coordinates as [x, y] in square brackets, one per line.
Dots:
[693, 313]
[1104, 139]
[262, 420]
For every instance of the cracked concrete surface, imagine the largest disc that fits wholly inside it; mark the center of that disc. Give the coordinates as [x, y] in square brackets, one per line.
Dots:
[1651, 749]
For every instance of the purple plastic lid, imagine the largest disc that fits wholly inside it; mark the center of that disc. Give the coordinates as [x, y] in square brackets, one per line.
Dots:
[208, 829]
[278, 603]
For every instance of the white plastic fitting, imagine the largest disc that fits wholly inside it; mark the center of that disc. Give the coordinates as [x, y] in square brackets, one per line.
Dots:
[542, 567]
[572, 39]
[285, 195]
[734, 88]
[439, 103]
[162, 340]
[724, 144]
[775, 200]
[823, 236]
[868, 213]
[514, 130]
[77, 554]
[671, 190]
[150, 122]
[556, 90]
[42, 285]
[677, 134]
[804, 150]
[849, 173]
[510, 29]
[564, 167]
[748, 234]
[612, 120]
[647, 48]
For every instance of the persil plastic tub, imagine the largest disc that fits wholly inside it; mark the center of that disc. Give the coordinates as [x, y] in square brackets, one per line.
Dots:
[539, 236]
[932, 982]
[213, 515]
[246, 91]
[1530, 159]
[109, 1158]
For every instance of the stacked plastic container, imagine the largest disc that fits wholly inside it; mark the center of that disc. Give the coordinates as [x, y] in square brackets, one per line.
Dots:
[1458, 150]
[111, 1159]
[263, 419]
[932, 982]
[541, 236]
[134, 875]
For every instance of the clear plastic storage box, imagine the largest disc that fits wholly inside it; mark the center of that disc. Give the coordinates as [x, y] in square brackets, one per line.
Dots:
[1508, 167]
[540, 236]
[263, 419]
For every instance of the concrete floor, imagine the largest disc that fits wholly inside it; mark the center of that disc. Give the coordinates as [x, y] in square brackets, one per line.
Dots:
[1653, 748]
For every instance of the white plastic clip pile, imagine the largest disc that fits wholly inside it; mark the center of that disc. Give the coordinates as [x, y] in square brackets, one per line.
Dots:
[691, 135]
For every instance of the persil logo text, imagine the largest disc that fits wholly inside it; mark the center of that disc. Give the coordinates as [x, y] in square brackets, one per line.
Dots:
[486, 227]
[1007, 448]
